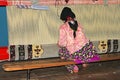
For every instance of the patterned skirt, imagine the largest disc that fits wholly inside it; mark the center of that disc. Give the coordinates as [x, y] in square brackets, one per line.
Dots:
[84, 55]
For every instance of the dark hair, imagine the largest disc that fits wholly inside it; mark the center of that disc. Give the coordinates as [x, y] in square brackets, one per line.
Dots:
[65, 13]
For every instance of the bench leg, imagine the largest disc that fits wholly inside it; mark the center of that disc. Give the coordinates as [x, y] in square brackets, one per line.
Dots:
[28, 74]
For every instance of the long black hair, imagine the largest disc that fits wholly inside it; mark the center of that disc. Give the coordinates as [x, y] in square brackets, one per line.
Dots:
[65, 13]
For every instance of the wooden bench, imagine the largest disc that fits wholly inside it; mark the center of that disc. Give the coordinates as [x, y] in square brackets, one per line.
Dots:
[44, 63]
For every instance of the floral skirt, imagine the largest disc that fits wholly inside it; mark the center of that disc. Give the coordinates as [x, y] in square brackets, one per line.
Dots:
[84, 55]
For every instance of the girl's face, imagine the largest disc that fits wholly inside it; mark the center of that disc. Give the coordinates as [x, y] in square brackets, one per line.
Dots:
[69, 18]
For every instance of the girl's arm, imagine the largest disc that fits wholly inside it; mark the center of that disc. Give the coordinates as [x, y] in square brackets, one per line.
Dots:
[62, 38]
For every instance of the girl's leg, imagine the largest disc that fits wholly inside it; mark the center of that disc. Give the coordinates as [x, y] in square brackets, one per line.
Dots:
[64, 54]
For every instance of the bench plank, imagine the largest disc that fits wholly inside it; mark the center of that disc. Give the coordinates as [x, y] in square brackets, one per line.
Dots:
[108, 57]
[24, 65]
[34, 64]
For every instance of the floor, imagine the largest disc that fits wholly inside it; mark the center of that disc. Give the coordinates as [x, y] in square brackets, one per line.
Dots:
[109, 70]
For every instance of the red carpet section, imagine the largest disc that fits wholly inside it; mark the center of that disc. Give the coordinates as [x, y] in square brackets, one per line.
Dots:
[4, 53]
[3, 3]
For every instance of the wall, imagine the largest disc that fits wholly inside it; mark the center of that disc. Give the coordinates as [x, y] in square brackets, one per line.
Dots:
[28, 26]
[3, 27]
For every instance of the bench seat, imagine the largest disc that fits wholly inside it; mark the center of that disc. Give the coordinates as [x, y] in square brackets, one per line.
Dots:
[52, 62]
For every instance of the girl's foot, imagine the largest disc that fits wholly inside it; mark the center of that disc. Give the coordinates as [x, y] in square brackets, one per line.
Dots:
[72, 68]
[76, 69]
[84, 65]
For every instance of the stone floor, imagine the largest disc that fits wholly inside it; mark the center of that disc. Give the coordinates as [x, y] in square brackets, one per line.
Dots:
[109, 70]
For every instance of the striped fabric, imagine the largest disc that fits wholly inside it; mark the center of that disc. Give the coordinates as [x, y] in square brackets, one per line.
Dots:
[25, 52]
[61, 2]
[28, 52]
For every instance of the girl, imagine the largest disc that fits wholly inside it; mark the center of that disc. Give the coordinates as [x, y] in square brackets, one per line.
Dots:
[73, 43]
